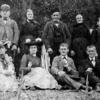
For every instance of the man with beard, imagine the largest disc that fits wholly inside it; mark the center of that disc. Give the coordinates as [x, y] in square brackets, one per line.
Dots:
[55, 32]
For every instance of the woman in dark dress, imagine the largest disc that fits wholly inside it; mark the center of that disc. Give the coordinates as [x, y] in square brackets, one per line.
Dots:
[80, 39]
[30, 29]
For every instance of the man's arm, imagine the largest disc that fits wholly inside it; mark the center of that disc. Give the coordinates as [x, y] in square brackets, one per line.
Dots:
[54, 67]
[67, 33]
[16, 32]
[45, 35]
[72, 65]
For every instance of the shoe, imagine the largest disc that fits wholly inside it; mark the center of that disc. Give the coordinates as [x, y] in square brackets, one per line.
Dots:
[32, 88]
[83, 87]
[58, 87]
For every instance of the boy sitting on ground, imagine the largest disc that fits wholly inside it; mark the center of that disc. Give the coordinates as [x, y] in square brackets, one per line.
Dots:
[91, 67]
[64, 69]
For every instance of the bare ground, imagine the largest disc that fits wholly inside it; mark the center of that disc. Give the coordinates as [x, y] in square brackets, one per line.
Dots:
[51, 95]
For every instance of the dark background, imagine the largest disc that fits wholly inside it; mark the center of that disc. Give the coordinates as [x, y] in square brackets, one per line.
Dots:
[44, 8]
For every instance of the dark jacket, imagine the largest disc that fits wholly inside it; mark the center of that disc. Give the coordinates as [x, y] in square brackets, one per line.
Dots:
[85, 64]
[49, 32]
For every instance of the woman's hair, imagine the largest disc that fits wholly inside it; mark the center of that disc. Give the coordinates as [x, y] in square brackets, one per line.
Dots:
[38, 54]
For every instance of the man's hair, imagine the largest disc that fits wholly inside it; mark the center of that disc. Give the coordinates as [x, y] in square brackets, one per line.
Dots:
[64, 45]
[91, 46]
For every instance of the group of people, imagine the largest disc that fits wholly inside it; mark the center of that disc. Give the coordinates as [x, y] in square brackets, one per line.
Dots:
[73, 55]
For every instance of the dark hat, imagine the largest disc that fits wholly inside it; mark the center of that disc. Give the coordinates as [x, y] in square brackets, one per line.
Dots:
[29, 42]
[55, 10]
[5, 7]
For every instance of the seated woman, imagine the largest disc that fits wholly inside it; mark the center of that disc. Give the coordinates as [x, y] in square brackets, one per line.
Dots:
[36, 75]
[8, 81]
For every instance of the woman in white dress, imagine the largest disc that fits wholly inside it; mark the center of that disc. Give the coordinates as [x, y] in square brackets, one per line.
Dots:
[8, 80]
[36, 76]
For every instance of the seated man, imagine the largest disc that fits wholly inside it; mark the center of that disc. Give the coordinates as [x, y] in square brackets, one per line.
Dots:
[64, 69]
[91, 67]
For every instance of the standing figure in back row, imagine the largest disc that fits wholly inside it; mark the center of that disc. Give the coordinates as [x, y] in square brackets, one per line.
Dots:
[55, 32]
[80, 39]
[8, 27]
[30, 29]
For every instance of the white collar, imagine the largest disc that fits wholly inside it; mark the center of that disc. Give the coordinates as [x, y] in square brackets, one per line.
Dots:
[33, 55]
[64, 57]
[92, 58]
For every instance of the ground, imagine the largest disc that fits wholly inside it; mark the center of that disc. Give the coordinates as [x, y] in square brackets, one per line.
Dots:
[51, 95]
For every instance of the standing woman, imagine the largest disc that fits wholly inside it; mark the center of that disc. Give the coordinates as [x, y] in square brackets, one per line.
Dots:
[80, 39]
[34, 74]
[30, 29]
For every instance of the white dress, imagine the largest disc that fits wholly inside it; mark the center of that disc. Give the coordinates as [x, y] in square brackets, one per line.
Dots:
[8, 80]
[41, 78]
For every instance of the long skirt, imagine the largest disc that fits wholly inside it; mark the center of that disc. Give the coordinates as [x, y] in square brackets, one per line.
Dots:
[40, 78]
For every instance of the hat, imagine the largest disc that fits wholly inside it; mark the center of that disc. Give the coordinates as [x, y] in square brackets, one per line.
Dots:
[5, 7]
[29, 42]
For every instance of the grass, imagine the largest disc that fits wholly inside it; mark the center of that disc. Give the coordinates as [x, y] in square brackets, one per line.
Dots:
[51, 95]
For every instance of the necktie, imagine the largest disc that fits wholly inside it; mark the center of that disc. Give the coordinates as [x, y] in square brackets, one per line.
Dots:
[93, 62]
[65, 60]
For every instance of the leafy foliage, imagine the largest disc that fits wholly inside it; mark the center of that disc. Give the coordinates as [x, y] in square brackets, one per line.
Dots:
[43, 9]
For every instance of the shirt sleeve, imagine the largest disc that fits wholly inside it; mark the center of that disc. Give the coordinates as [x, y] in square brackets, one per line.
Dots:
[16, 32]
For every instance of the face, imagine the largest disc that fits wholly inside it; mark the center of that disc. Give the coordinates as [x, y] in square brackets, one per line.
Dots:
[56, 16]
[79, 19]
[29, 14]
[2, 51]
[33, 49]
[5, 14]
[91, 52]
[63, 50]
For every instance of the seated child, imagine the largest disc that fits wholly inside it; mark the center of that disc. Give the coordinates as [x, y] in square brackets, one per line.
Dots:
[91, 67]
[34, 74]
[8, 80]
[64, 69]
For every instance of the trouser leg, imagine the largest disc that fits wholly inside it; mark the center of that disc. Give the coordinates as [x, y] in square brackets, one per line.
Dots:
[71, 82]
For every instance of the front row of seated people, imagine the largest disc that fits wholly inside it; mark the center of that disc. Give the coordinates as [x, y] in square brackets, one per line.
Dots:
[64, 72]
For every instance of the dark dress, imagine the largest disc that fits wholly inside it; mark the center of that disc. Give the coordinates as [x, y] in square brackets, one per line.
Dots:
[29, 30]
[80, 40]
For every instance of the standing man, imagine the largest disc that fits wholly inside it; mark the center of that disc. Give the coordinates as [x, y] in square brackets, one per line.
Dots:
[9, 31]
[55, 32]
[8, 27]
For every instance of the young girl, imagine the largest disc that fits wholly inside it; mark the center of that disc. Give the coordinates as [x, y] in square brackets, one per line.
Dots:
[8, 81]
[37, 76]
